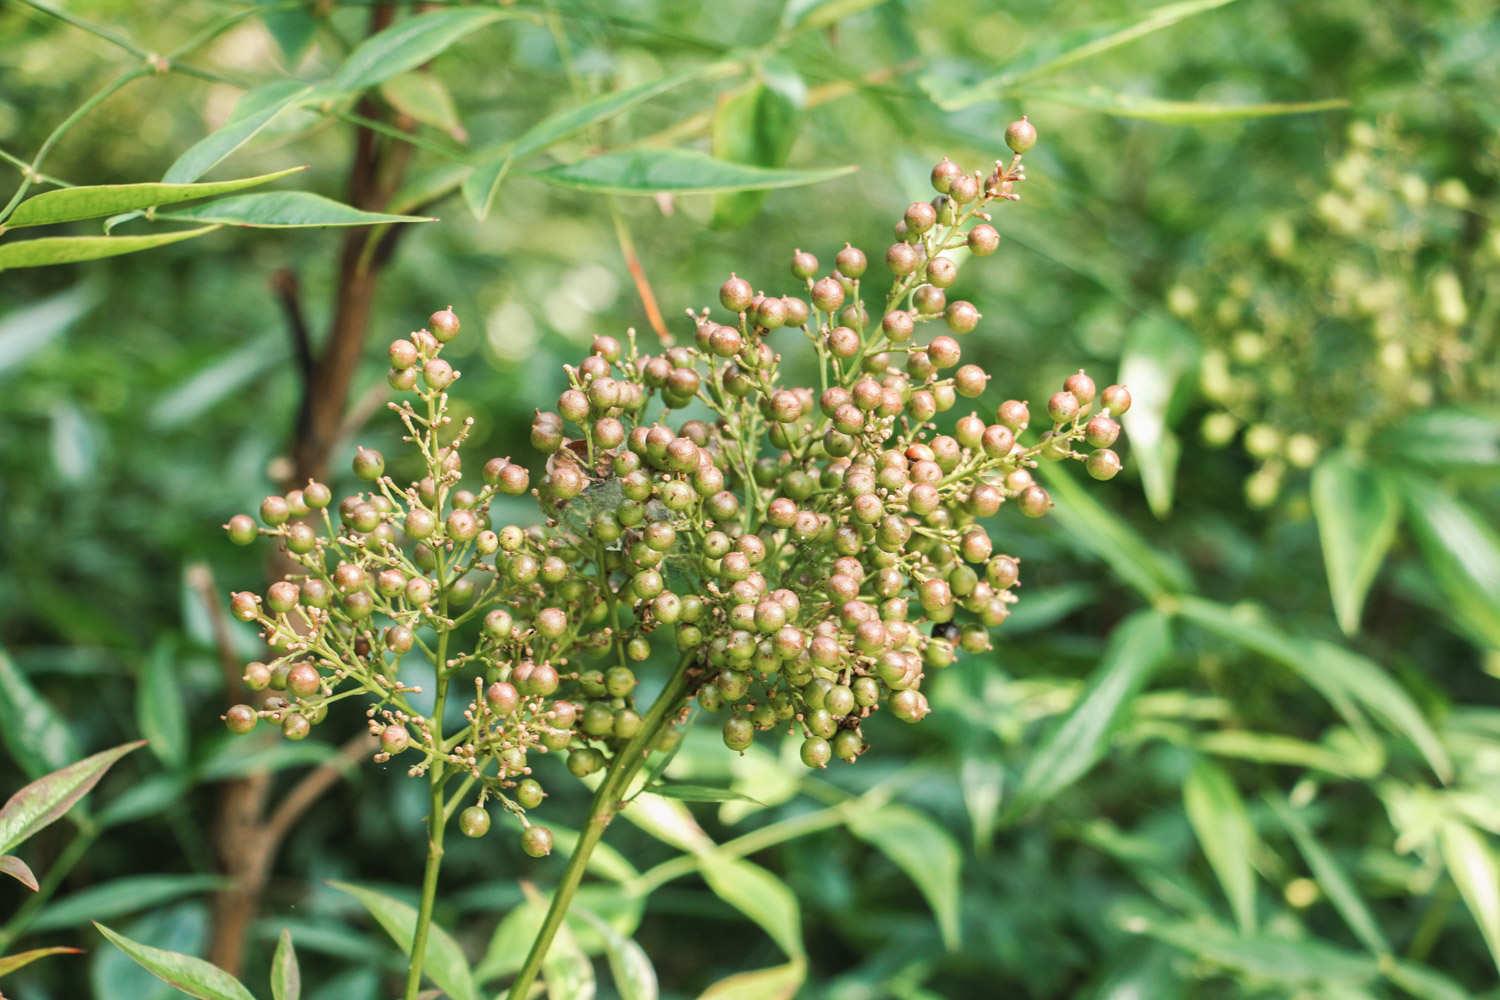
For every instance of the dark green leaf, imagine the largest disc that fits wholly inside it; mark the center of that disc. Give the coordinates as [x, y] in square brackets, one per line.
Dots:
[1463, 553]
[925, 852]
[444, 964]
[74, 203]
[192, 976]
[757, 894]
[677, 171]
[1159, 361]
[756, 126]
[1156, 109]
[1335, 883]
[293, 28]
[1357, 511]
[1344, 678]
[406, 45]
[257, 109]
[1137, 648]
[286, 975]
[1223, 829]
[117, 897]
[51, 250]
[286, 210]
[159, 711]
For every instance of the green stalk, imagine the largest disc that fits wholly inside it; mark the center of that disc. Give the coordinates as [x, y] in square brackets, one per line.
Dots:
[437, 814]
[622, 770]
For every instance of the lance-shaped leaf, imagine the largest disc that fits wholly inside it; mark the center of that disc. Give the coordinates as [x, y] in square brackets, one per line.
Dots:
[677, 171]
[46, 742]
[257, 109]
[1331, 877]
[1474, 869]
[1223, 829]
[121, 896]
[406, 45]
[1134, 560]
[1059, 50]
[286, 975]
[1463, 552]
[192, 976]
[424, 98]
[72, 204]
[18, 870]
[45, 800]
[1451, 439]
[629, 965]
[1160, 358]
[1137, 648]
[925, 852]
[779, 982]
[756, 126]
[51, 250]
[757, 894]
[286, 210]
[1357, 510]
[1156, 109]
[444, 963]
[21, 959]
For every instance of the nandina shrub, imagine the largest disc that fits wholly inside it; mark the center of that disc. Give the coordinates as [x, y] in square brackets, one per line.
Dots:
[810, 553]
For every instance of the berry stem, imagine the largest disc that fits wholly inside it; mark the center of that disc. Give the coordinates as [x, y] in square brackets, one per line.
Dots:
[622, 770]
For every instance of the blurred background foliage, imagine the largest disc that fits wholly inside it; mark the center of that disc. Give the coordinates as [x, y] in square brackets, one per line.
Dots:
[1177, 775]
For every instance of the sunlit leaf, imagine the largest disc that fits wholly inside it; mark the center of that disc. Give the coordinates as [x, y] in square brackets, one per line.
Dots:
[444, 962]
[757, 894]
[923, 850]
[1472, 864]
[1222, 825]
[1462, 550]
[1157, 109]
[48, 250]
[1451, 439]
[1159, 360]
[192, 976]
[423, 97]
[567, 971]
[677, 171]
[74, 203]
[286, 210]
[779, 982]
[45, 800]
[629, 965]
[698, 793]
[756, 126]
[1138, 646]
[1357, 511]
[255, 110]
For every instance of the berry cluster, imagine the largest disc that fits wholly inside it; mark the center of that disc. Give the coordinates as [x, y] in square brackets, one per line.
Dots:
[1378, 295]
[810, 553]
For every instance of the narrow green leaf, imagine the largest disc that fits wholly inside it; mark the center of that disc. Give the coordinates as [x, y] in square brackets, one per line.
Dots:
[18, 870]
[757, 126]
[1061, 49]
[1279, 960]
[1463, 553]
[605, 862]
[159, 711]
[27, 330]
[1344, 678]
[182, 403]
[49, 250]
[629, 965]
[1360, 759]
[1222, 826]
[286, 210]
[1138, 646]
[444, 963]
[257, 109]
[1335, 883]
[1472, 865]
[1159, 360]
[757, 894]
[45, 800]
[511, 941]
[46, 742]
[923, 850]
[677, 171]
[406, 45]
[1451, 439]
[699, 793]
[1156, 109]
[21, 959]
[424, 97]
[286, 974]
[121, 896]
[74, 203]
[669, 821]
[484, 181]
[1424, 983]
[1357, 511]
[566, 970]
[192, 976]
[810, 15]
[982, 780]
[1109, 536]
[779, 982]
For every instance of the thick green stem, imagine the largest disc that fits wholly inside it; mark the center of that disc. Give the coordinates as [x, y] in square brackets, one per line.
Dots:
[622, 770]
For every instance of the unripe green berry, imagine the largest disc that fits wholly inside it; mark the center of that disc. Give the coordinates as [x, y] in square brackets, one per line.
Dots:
[240, 718]
[1020, 135]
[242, 529]
[536, 841]
[474, 821]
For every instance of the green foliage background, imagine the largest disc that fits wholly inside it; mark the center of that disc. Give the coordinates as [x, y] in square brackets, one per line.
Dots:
[1175, 775]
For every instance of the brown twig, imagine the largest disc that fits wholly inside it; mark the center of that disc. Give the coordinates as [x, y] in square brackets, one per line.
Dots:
[638, 275]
